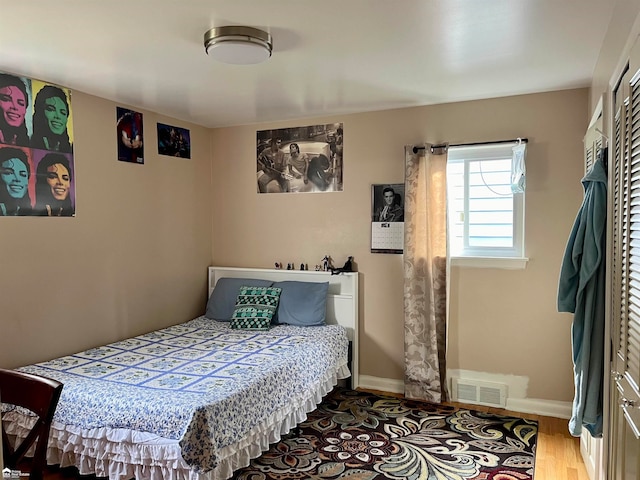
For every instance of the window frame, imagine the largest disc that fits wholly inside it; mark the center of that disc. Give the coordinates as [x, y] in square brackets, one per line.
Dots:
[487, 257]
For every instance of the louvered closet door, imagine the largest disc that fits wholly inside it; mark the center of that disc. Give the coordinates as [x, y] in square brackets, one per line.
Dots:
[592, 144]
[624, 413]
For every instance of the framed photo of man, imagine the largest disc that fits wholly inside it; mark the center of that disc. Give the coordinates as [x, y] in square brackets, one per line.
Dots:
[387, 218]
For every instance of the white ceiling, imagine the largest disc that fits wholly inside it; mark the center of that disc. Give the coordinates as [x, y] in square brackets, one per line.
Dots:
[330, 56]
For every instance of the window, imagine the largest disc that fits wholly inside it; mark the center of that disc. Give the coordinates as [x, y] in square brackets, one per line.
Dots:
[486, 220]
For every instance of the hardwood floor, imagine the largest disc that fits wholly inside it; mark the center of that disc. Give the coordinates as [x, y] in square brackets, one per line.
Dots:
[557, 457]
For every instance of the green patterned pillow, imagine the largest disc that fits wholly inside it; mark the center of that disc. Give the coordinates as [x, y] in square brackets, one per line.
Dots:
[255, 307]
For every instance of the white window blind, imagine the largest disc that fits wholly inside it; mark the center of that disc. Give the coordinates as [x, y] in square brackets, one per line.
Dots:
[486, 219]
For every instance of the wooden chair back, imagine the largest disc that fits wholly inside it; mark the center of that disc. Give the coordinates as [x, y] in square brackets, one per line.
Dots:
[40, 395]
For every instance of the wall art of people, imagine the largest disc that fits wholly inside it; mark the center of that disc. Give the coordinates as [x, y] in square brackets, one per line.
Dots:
[36, 148]
[36, 182]
[130, 136]
[173, 141]
[300, 159]
[387, 218]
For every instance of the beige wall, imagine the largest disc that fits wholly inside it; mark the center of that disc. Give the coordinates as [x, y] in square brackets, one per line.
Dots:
[624, 28]
[502, 321]
[133, 259]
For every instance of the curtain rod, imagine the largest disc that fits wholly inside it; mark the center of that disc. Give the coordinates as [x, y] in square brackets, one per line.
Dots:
[515, 140]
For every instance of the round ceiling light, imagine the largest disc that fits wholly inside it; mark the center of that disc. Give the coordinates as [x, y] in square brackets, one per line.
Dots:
[238, 45]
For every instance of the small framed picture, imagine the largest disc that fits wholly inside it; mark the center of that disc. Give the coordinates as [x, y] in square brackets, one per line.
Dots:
[387, 218]
[173, 141]
[130, 137]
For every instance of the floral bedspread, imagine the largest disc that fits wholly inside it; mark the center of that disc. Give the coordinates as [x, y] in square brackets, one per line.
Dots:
[198, 382]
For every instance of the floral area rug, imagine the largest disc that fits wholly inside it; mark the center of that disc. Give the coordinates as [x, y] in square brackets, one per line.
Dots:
[362, 436]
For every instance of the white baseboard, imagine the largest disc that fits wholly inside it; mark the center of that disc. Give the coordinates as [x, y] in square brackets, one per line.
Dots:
[383, 384]
[548, 408]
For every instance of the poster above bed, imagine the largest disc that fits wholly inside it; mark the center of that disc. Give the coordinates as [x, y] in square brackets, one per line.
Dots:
[37, 176]
[300, 159]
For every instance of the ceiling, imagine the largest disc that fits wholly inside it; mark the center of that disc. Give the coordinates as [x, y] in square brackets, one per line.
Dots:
[330, 57]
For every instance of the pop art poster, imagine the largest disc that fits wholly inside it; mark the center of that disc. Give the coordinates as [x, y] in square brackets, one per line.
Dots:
[36, 148]
[300, 159]
[130, 136]
[173, 141]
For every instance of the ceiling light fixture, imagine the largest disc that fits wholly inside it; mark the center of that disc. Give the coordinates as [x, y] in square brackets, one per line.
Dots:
[238, 45]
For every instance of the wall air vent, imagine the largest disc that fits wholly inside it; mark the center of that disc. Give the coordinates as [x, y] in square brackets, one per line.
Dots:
[481, 393]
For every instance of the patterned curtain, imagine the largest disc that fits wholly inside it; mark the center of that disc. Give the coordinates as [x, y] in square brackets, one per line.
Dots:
[425, 275]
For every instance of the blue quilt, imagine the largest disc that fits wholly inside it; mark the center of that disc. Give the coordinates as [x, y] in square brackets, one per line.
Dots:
[199, 382]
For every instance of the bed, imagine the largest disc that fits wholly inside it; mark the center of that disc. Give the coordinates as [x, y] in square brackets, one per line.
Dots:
[199, 399]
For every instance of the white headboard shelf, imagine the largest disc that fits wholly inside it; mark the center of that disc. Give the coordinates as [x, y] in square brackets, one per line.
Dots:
[342, 300]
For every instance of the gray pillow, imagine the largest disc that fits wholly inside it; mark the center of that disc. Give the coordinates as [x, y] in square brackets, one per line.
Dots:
[222, 301]
[302, 303]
